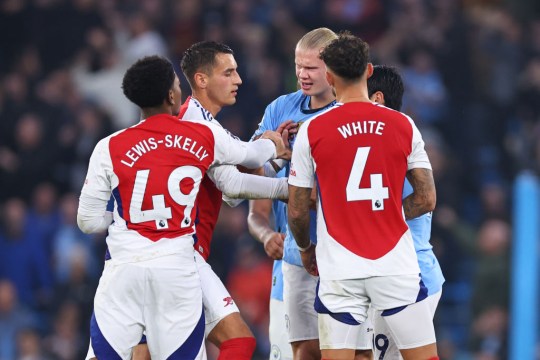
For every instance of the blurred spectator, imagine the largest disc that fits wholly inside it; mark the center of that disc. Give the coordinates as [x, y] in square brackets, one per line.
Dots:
[30, 161]
[491, 280]
[44, 214]
[72, 248]
[425, 97]
[23, 258]
[29, 346]
[66, 342]
[14, 318]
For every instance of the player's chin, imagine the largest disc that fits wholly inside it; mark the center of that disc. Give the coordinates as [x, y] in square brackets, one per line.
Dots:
[307, 90]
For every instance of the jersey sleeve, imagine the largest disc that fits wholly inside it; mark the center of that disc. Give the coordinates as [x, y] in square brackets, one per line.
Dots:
[92, 215]
[232, 151]
[235, 184]
[302, 170]
[418, 157]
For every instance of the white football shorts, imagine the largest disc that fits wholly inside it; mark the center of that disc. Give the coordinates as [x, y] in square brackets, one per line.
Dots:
[346, 302]
[162, 296]
[384, 344]
[280, 349]
[217, 301]
[299, 296]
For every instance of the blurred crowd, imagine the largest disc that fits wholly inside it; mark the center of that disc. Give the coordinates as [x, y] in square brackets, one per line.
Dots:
[472, 83]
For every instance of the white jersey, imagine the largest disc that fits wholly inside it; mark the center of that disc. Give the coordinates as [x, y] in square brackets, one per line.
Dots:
[360, 153]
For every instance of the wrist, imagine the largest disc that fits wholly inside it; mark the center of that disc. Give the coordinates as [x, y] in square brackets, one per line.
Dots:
[306, 248]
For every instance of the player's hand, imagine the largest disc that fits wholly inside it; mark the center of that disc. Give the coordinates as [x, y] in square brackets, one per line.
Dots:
[309, 260]
[283, 150]
[273, 245]
[290, 126]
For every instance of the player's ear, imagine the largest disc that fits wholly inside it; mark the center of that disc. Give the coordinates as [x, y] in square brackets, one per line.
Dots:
[377, 97]
[369, 70]
[330, 78]
[201, 79]
[170, 97]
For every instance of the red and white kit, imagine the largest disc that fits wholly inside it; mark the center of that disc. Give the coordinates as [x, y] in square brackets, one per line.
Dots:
[154, 171]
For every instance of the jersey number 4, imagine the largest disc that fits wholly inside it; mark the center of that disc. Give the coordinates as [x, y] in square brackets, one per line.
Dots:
[377, 193]
[160, 213]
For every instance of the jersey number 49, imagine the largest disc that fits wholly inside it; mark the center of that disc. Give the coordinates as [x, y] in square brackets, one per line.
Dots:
[160, 213]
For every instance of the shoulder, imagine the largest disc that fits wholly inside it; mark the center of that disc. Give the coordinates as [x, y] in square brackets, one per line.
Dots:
[288, 99]
[193, 110]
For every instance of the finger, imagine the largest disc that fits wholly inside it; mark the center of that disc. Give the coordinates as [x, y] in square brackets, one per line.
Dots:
[285, 137]
[293, 128]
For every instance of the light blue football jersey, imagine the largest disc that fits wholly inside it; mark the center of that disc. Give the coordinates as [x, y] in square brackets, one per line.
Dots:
[430, 270]
[295, 107]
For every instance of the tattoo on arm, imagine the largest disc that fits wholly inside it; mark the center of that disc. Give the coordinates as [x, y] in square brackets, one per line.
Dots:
[298, 213]
[423, 198]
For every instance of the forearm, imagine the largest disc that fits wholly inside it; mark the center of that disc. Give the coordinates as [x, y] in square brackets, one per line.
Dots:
[258, 153]
[298, 215]
[259, 227]
[423, 198]
[235, 184]
[92, 215]
[258, 187]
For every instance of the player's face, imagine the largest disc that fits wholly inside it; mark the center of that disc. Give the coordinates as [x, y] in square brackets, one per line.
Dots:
[310, 72]
[224, 81]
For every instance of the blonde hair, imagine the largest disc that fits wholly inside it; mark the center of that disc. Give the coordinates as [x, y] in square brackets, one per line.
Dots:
[316, 39]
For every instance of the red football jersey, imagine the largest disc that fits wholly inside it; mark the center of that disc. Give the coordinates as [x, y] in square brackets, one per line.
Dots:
[209, 200]
[359, 153]
[154, 171]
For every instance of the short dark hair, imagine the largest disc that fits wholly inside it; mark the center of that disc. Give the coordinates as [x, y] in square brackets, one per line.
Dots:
[202, 57]
[347, 56]
[387, 80]
[147, 82]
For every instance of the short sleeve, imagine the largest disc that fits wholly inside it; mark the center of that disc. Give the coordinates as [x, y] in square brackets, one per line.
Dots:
[302, 166]
[267, 122]
[418, 157]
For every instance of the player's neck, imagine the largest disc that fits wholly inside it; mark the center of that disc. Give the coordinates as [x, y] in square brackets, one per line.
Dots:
[320, 101]
[152, 111]
[352, 93]
[206, 103]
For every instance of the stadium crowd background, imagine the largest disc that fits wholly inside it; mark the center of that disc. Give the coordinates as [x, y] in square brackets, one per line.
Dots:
[472, 76]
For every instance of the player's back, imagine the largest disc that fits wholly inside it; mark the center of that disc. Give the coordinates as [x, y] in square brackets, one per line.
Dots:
[157, 168]
[360, 152]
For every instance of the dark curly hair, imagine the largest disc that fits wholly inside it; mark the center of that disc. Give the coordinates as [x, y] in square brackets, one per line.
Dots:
[347, 56]
[202, 57]
[147, 82]
[387, 80]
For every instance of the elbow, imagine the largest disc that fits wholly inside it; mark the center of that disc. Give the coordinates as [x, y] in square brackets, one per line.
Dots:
[431, 202]
[83, 226]
[231, 194]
